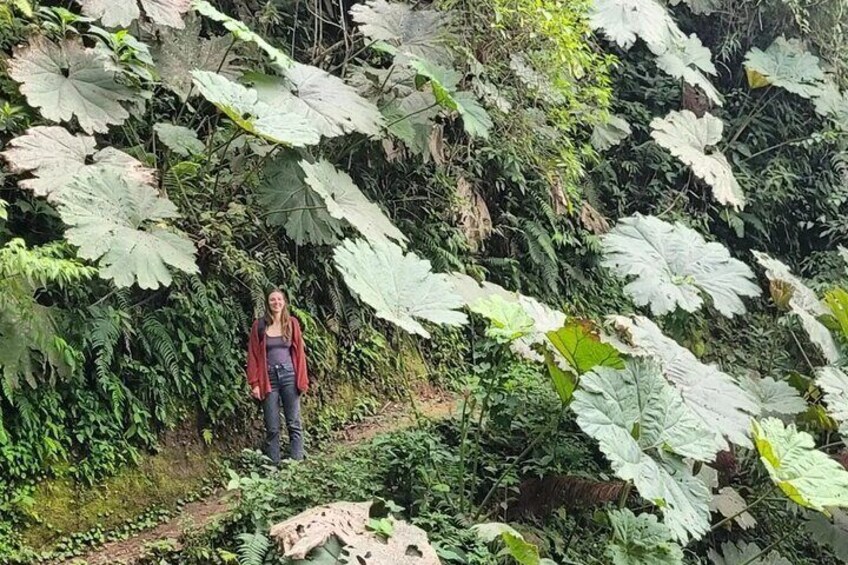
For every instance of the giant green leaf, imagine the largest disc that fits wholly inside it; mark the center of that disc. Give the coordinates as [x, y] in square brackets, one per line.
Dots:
[410, 119]
[686, 58]
[788, 65]
[804, 303]
[121, 13]
[288, 201]
[421, 33]
[687, 137]
[117, 221]
[831, 534]
[470, 290]
[774, 397]
[545, 319]
[55, 157]
[66, 80]
[334, 107]
[345, 201]
[183, 50]
[744, 553]
[507, 319]
[240, 31]
[279, 124]
[645, 430]
[673, 266]
[807, 476]
[641, 540]
[832, 103]
[583, 349]
[723, 406]
[401, 287]
[443, 81]
[179, 139]
[834, 382]
[522, 551]
[836, 301]
[610, 133]
[623, 21]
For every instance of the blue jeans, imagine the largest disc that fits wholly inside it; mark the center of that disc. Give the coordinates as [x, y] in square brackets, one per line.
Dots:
[283, 388]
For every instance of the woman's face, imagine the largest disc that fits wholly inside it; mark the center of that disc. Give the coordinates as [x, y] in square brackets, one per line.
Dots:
[276, 302]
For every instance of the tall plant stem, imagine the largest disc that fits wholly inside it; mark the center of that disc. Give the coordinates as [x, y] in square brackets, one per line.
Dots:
[625, 494]
[542, 434]
[463, 435]
[720, 523]
[801, 349]
[225, 149]
[758, 107]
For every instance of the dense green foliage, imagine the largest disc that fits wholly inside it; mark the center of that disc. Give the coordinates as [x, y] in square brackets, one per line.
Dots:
[204, 152]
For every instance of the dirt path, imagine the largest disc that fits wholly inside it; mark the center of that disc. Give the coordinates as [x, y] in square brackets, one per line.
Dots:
[197, 515]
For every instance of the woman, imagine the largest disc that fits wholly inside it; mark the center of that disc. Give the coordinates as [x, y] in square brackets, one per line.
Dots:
[276, 372]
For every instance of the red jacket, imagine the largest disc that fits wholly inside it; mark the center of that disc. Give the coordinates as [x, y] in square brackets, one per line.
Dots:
[257, 364]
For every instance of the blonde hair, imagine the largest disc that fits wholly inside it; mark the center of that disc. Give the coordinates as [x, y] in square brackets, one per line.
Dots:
[285, 316]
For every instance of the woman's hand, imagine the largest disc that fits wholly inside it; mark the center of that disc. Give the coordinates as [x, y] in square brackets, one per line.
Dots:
[255, 392]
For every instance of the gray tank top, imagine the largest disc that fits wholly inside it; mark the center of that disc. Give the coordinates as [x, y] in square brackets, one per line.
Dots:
[278, 352]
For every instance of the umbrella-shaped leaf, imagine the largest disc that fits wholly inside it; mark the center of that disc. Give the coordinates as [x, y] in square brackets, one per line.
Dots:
[804, 303]
[66, 80]
[724, 407]
[686, 58]
[345, 201]
[687, 137]
[623, 21]
[111, 13]
[121, 13]
[673, 266]
[507, 319]
[115, 220]
[834, 382]
[645, 430]
[806, 475]
[420, 33]
[774, 397]
[289, 202]
[610, 133]
[334, 107]
[744, 553]
[787, 64]
[641, 540]
[179, 139]
[832, 103]
[401, 287]
[55, 157]
[183, 50]
[240, 31]
[278, 124]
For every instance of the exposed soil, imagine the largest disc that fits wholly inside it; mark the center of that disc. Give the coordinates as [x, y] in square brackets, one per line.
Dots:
[431, 405]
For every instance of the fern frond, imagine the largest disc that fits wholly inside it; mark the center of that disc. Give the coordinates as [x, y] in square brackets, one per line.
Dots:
[252, 548]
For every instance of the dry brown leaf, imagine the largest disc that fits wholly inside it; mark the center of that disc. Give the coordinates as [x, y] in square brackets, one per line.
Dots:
[436, 144]
[558, 200]
[474, 217]
[593, 220]
[347, 522]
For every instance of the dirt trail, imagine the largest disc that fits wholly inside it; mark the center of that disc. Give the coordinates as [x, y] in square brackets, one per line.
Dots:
[197, 515]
